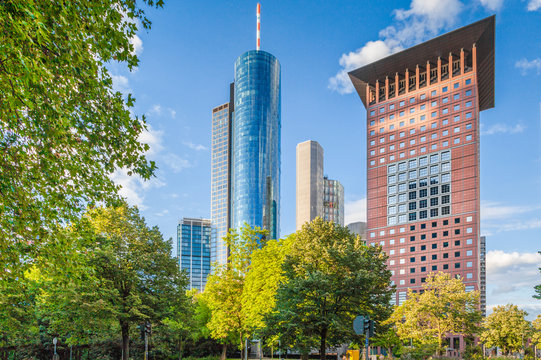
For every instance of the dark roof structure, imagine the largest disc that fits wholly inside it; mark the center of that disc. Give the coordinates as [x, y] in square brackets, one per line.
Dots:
[480, 33]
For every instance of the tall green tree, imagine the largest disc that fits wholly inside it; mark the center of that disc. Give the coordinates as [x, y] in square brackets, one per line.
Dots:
[536, 331]
[124, 276]
[506, 328]
[63, 130]
[330, 277]
[262, 281]
[224, 289]
[442, 307]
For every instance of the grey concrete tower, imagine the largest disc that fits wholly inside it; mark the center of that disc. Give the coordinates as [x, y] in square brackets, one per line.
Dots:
[309, 182]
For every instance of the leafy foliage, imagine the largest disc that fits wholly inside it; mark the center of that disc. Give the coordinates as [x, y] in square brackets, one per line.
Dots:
[224, 290]
[443, 307]
[506, 328]
[536, 331]
[330, 277]
[262, 281]
[123, 275]
[63, 130]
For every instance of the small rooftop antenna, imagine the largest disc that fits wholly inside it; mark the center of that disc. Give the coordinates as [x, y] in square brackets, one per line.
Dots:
[258, 26]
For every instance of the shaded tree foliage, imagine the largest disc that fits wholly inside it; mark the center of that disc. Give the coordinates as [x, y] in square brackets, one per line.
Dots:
[123, 275]
[330, 277]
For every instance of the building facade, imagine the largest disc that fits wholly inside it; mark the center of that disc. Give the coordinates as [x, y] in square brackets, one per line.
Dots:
[333, 201]
[256, 142]
[423, 109]
[193, 249]
[483, 273]
[358, 228]
[220, 210]
[316, 194]
[309, 182]
[245, 183]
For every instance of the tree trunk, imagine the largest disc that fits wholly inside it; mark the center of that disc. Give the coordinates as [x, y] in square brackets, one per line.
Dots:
[304, 356]
[323, 344]
[242, 348]
[180, 348]
[125, 327]
[224, 352]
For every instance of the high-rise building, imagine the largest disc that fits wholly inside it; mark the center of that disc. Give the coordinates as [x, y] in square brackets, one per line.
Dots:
[256, 142]
[358, 228]
[333, 201]
[220, 211]
[309, 182]
[423, 109]
[193, 249]
[316, 194]
[483, 273]
[245, 182]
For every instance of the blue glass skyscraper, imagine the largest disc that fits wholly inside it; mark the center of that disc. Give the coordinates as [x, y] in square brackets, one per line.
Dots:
[256, 142]
[193, 249]
[245, 184]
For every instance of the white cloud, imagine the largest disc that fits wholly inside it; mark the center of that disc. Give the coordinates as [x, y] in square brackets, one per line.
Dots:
[496, 211]
[526, 65]
[132, 187]
[198, 147]
[501, 263]
[493, 5]
[534, 5]
[162, 213]
[154, 139]
[511, 278]
[502, 129]
[424, 19]
[121, 83]
[158, 110]
[355, 211]
[496, 217]
[155, 110]
[176, 163]
[137, 45]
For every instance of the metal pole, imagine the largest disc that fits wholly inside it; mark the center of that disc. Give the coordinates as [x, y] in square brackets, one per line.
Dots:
[146, 345]
[366, 345]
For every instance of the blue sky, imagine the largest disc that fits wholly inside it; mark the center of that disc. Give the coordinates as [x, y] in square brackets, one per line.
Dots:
[187, 64]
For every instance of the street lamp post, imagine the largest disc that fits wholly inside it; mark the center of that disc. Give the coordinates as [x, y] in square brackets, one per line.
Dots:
[55, 355]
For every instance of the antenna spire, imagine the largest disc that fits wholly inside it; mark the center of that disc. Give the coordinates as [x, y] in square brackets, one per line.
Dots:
[258, 26]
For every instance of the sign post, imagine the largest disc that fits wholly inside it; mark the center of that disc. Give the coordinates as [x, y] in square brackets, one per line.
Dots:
[363, 325]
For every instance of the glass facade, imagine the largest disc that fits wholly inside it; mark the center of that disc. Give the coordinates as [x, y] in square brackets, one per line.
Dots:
[220, 180]
[256, 142]
[333, 201]
[193, 249]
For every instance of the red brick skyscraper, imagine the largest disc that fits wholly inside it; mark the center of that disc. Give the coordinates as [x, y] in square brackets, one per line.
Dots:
[423, 109]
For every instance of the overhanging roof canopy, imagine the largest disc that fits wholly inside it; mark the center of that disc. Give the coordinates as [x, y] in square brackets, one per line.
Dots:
[480, 33]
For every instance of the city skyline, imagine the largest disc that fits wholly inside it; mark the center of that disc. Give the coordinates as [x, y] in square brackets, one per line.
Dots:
[180, 141]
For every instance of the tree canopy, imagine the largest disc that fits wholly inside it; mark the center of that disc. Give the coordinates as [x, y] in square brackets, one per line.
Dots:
[124, 275]
[442, 307]
[330, 277]
[225, 286]
[506, 328]
[63, 130]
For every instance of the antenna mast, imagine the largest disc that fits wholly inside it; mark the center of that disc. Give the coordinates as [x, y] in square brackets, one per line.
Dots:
[258, 26]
